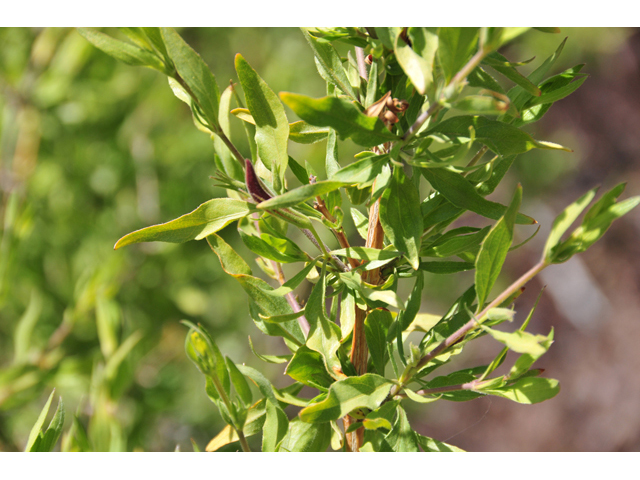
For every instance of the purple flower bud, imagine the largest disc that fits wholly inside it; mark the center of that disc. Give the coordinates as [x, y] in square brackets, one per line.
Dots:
[254, 186]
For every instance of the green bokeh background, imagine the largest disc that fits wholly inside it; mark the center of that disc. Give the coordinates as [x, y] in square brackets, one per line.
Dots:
[91, 149]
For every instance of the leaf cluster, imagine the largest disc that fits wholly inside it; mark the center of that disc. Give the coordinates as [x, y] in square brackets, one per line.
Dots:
[439, 129]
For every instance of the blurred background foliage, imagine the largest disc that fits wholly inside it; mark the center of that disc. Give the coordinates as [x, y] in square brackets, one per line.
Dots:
[91, 149]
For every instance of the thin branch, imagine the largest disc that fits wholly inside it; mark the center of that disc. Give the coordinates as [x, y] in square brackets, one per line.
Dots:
[231, 147]
[462, 331]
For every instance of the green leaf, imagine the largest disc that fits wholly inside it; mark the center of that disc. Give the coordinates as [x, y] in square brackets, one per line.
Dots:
[418, 69]
[302, 132]
[239, 382]
[480, 78]
[276, 423]
[340, 115]
[494, 249]
[402, 438]
[360, 171]
[447, 246]
[455, 188]
[36, 430]
[273, 248]
[431, 445]
[272, 127]
[361, 222]
[519, 341]
[46, 441]
[329, 60]
[275, 427]
[277, 359]
[260, 292]
[376, 327]
[500, 137]
[563, 221]
[208, 218]
[230, 164]
[195, 73]
[481, 105]
[455, 47]
[366, 391]
[293, 282]
[445, 268]
[511, 73]
[528, 390]
[125, 52]
[420, 398]
[308, 368]
[596, 222]
[306, 437]
[324, 335]
[25, 326]
[366, 254]
[401, 217]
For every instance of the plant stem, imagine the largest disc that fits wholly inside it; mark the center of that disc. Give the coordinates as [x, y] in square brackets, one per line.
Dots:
[243, 441]
[359, 351]
[231, 147]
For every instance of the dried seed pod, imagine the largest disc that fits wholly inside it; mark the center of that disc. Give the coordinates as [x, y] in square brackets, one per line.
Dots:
[390, 118]
[400, 105]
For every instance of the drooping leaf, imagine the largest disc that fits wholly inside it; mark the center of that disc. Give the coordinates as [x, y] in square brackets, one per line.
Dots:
[366, 391]
[342, 116]
[259, 291]
[401, 217]
[208, 218]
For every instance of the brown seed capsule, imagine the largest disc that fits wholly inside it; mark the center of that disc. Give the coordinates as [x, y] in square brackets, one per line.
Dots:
[400, 105]
[390, 118]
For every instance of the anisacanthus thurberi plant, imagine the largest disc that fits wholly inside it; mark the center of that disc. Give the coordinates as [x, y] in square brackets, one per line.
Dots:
[438, 132]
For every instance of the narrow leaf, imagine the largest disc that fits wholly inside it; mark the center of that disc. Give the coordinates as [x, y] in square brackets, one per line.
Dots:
[494, 250]
[401, 217]
[208, 218]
